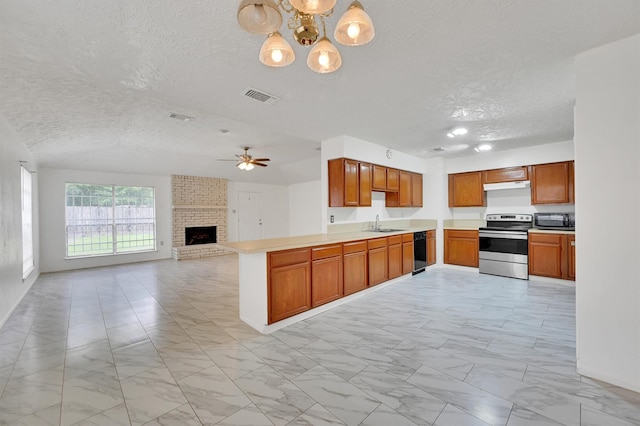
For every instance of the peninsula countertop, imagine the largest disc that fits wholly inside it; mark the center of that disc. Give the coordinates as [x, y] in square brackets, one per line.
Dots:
[286, 243]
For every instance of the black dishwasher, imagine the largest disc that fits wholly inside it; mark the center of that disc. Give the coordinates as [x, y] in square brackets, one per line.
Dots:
[419, 252]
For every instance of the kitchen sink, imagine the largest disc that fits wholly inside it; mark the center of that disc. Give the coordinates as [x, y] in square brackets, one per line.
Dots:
[386, 230]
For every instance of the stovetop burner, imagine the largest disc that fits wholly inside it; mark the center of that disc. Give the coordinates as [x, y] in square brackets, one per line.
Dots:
[508, 222]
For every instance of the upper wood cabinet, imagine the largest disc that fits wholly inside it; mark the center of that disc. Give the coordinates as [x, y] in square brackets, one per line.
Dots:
[349, 183]
[465, 190]
[552, 183]
[379, 174]
[364, 184]
[461, 247]
[393, 180]
[416, 190]
[509, 174]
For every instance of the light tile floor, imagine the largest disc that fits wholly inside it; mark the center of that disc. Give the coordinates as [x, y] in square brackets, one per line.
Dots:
[160, 343]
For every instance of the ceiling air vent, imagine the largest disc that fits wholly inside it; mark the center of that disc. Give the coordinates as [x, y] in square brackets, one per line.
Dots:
[181, 117]
[439, 149]
[260, 96]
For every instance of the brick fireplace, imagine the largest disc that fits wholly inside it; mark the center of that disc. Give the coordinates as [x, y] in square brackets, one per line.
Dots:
[198, 203]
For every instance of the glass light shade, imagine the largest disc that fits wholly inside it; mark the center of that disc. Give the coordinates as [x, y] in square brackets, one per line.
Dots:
[313, 7]
[242, 166]
[259, 16]
[276, 51]
[324, 57]
[249, 166]
[354, 27]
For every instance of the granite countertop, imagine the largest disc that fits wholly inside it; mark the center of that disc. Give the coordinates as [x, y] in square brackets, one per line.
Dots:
[285, 243]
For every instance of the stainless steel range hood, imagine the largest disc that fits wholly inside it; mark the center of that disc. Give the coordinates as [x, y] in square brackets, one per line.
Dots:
[506, 185]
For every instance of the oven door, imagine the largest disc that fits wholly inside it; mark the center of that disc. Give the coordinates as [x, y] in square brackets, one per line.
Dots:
[505, 246]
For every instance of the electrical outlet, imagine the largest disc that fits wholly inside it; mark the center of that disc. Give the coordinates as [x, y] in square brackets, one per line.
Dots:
[331, 219]
[161, 243]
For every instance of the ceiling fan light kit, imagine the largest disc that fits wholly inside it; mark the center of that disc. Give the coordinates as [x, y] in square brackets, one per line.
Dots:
[246, 162]
[354, 28]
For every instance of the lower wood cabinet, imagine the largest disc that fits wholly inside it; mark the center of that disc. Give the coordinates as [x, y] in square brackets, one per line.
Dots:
[355, 269]
[395, 256]
[326, 274]
[461, 247]
[289, 283]
[407, 253]
[377, 260]
[431, 247]
[552, 255]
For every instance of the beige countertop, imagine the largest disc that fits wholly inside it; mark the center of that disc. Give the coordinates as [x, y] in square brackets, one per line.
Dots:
[285, 243]
[551, 231]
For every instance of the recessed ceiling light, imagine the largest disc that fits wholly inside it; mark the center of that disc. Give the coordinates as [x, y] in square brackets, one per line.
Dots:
[458, 131]
[483, 148]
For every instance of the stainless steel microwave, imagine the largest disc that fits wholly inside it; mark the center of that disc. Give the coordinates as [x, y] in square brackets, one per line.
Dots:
[564, 221]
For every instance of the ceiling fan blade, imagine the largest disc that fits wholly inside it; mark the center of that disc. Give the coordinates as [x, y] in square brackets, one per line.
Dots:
[261, 159]
[260, 164]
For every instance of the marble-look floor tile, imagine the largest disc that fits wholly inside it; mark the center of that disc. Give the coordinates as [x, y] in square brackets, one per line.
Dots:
[248, 416]
[344, 400]
[592, 417]
[30, 394]
[316, 416]
[523, 417]
[116, 416]
[234, 359]
[181, 416]
[452, 416]
[49, 416]
[385, 416]
[279, 399]
[285, 360]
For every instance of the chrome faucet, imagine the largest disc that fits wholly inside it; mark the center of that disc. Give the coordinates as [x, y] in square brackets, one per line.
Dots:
[377, 227]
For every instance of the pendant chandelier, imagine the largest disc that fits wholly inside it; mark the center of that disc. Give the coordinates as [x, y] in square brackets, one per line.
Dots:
[264, 17]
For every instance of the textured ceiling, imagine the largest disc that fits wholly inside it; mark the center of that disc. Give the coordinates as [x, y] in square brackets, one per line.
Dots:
[89, 84]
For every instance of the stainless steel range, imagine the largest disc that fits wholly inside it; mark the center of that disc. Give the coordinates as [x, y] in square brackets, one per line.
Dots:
[504, 245]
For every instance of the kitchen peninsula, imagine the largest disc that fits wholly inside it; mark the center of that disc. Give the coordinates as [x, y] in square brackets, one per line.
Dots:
[285, 280]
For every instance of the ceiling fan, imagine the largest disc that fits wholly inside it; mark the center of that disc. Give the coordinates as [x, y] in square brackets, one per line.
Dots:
[247, 162]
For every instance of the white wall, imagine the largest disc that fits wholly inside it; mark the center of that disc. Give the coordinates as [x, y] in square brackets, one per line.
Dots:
[607, 146]
[511, 200]
[305, 208]
[52, 213]
[12, 288]
[349, 147]
[275, 219]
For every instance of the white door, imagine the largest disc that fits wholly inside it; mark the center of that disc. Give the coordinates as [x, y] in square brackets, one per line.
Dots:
[249, 216]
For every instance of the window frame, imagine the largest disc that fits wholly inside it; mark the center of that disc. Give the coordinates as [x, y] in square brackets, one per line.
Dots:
[115, 222]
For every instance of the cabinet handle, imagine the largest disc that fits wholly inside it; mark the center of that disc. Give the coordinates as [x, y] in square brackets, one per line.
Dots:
[573, 243]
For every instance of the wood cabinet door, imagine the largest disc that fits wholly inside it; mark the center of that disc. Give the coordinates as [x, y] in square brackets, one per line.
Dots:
[407, 257]
[431, 247]
[571, 248]
[326, 280]
[416, 189]
[465, 190]
[393, 180]
[355, 272]
[289, 291]
[552, 183]
[364, 184]
[461, 247]
[405, 192]
[395, 261]
[377, 265]
[379, 178]
[351, 184]
[548, 255]
[508, 174]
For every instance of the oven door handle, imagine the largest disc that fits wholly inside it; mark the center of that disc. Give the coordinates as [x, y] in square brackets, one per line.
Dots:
[505, 235]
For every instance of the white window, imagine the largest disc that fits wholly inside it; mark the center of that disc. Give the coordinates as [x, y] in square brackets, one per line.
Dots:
[109, 219]
[27, 222]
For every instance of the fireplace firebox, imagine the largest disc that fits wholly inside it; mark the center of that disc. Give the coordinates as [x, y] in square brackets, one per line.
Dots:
[200, 235]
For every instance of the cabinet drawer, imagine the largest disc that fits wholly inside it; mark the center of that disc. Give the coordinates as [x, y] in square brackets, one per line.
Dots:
[326, 251]
[395, 239]
[544, 238]
[354, 247]
[377, 243]
[288, 257]
[407, 238]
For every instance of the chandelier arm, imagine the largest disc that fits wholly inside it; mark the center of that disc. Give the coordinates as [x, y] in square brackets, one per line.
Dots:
[286, 6]
[324, 28]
